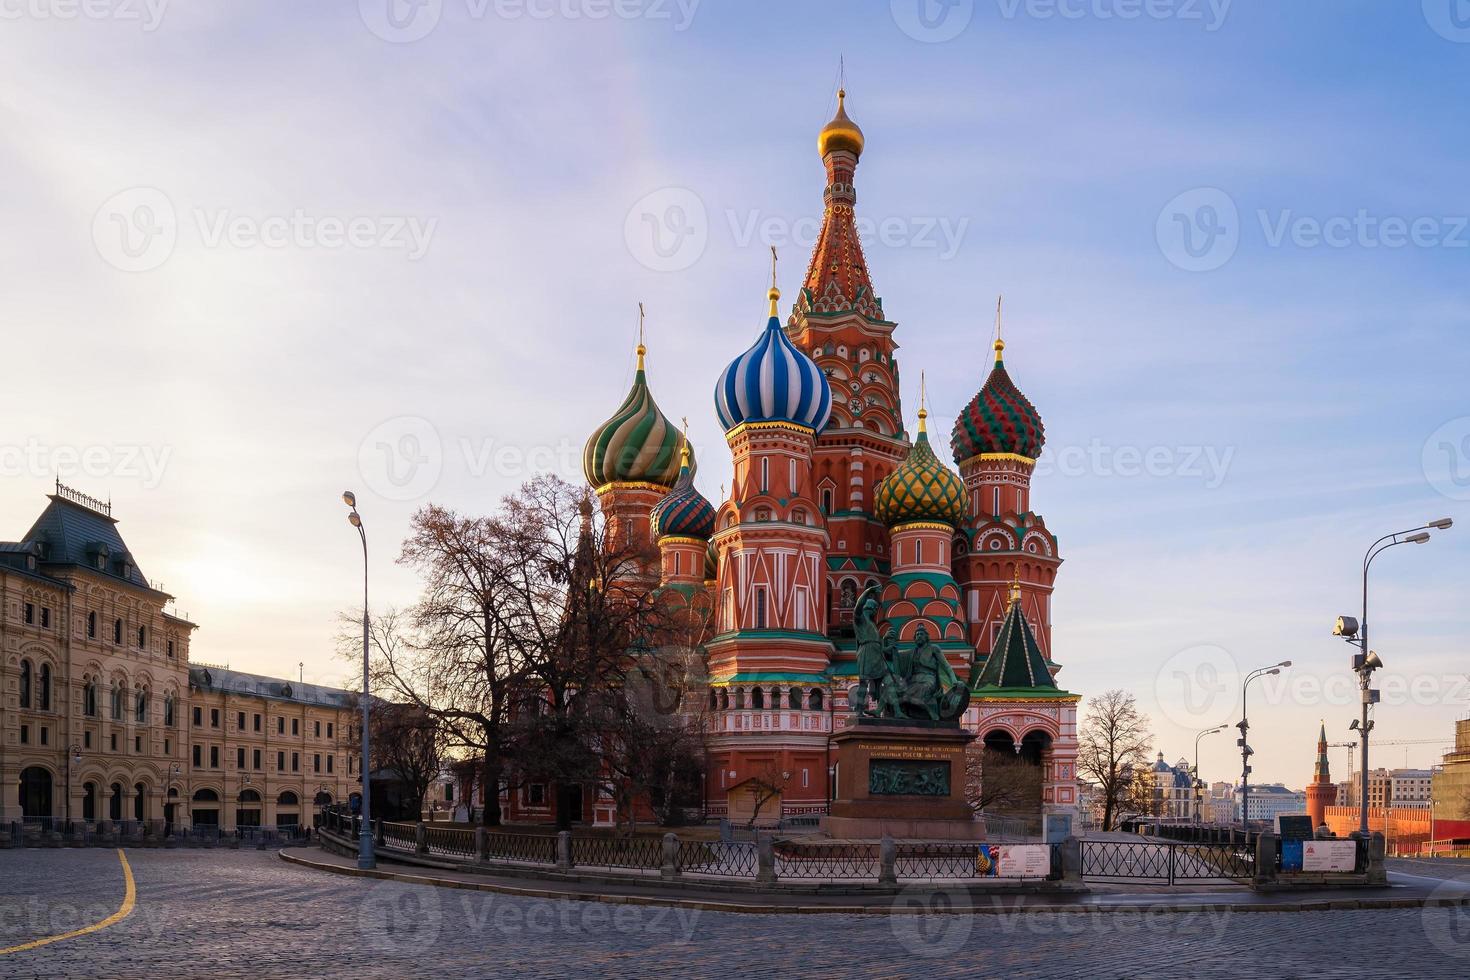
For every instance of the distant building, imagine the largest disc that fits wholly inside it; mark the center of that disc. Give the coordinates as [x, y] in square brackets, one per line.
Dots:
[1410, 787]
[1222, 805]
[1272, 798]
[1380, 788]
[1321, 792]
[1451, 781]
[1171, 790]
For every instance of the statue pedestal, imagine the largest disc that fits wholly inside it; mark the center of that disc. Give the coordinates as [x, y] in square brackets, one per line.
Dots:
[902, 779]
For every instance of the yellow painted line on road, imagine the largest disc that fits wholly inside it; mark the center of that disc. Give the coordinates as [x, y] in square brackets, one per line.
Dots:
[130, 899]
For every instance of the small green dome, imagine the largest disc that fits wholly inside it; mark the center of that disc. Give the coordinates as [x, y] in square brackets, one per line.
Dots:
[637, 445]
[921, 489]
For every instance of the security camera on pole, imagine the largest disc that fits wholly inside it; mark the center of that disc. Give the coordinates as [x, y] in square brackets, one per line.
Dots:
[1365, 661]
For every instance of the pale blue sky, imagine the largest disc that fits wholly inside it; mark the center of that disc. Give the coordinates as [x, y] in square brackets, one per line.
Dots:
[498, 173]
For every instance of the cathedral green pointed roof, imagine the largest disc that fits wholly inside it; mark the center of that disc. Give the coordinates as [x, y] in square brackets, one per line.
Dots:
[1016, 662]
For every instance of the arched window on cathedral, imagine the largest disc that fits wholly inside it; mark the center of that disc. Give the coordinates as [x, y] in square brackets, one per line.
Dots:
[814, 700]
[793, 699]
[724, 698]
[757, 697]
[739, 697]
[25, 683]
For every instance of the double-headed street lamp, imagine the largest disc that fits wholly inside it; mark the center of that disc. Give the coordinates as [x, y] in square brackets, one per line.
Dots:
[1365, 661]
[1198, 783]
[365, 857]
[1245, 749]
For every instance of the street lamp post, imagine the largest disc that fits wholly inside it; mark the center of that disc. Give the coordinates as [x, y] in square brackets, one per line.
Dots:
[1365, 661]
[1245, 749]
[1198, 783]
[365, 857]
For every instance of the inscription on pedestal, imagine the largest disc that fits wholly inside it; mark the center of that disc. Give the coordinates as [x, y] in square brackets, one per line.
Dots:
[907, 777]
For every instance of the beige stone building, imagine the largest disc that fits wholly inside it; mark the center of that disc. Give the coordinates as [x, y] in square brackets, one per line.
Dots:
[103, 717]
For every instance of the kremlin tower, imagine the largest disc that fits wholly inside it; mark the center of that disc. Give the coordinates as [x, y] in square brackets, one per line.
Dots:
[1321, 791]
[829, 498]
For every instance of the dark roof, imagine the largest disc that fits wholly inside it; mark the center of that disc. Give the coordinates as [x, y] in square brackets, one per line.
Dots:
[1016, 661]
[73, 534]
[273, 688]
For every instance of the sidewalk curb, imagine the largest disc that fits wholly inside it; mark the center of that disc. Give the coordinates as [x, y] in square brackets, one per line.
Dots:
[995, 908]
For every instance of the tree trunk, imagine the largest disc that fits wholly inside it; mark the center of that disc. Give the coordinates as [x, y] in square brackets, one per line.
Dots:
[490, 816]
[563, 806]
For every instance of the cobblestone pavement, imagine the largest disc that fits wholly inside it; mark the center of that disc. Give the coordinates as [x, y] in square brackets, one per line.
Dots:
[223, 913]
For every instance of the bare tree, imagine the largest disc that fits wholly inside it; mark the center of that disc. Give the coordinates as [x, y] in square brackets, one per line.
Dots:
[766, 785]
[1000, 781]
[408, 742]
[1113, 746]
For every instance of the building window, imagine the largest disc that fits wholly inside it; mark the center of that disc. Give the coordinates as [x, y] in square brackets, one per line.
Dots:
[91, 627]
[45, 617]
[89, 698]
[280, 724]
[280, 762]
[117, 631]
[536, 794]
[239, 758]
[86, 740]
[213, 717]
[214, 757]
[765, 475]
[117, 701]
[295, 761]
[198, 756]
[295, 726]
[329, 729]
[167, 746]
[760, 609]
[142, 637]
[44, 701]
[316, 763]
[25, 734]
[170, 648]
[240, 721]
[30, 614]
[168, 710]
[317, 729]
[138, 744]
[198, 716]
[255, 758]
[826, 501]
[25, 683]
[112, 742]
[141, 712]
[329, 763]
[256, 721]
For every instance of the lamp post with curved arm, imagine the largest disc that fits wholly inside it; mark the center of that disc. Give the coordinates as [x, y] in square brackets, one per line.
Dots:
[1365, 661]
[1245, 749]
[1198, 783]
[365, 857]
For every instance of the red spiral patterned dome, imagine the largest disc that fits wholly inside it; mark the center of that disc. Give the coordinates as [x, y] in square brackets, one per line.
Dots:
[999, 419]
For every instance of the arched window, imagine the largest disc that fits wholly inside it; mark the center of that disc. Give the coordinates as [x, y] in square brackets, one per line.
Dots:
[142, 709]
[168, 709]
[206, 796]
[89, 801]
[117, 704]
[757, 698]
[25, 683]
[44, 701]
[288, 798]
[724, 698]
[814, 700]
[714, 699]
[827, 500]
[740, 697]
[793, 698]
[89, 697]
[114, 807]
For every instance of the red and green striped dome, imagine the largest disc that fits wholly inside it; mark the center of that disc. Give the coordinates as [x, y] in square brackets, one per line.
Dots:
[684, 512]
[999, 419]
[637, 445]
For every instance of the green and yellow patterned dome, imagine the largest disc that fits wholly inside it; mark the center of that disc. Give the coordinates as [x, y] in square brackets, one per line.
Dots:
[922, 489]
[637, 445]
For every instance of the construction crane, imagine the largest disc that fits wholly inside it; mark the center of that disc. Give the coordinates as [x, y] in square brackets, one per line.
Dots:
[1350, 746]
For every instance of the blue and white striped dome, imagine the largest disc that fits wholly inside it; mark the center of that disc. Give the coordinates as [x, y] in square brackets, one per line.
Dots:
[773, 381]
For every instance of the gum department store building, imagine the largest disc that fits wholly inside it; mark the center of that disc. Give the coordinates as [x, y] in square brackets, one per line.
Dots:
[102, 717]
[831, 496]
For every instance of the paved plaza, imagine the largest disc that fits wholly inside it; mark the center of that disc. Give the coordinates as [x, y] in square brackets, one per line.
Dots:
[213, 913]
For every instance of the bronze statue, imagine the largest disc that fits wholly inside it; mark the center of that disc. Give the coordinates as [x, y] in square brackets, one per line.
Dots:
[871, 668]
[916, 683]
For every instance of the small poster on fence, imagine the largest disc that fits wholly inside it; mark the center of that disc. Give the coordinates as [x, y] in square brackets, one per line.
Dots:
[1014, 861]
[1329, 855]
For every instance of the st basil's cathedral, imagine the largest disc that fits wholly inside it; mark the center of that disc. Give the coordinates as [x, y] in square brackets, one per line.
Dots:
[831, 496]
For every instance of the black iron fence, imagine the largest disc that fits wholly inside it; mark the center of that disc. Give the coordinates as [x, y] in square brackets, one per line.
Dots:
[724, 859]
[637, 853]
[1167, 862]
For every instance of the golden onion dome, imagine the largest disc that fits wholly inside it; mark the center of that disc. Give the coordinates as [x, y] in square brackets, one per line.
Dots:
[841, 133]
